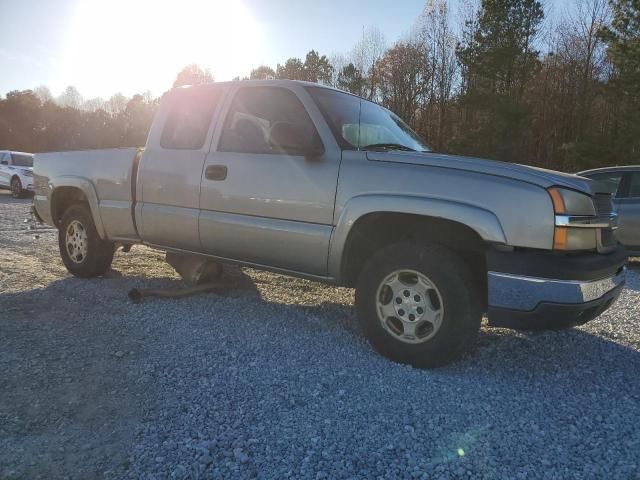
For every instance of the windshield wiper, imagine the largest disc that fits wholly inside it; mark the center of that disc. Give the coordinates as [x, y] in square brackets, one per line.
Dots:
[388, 146]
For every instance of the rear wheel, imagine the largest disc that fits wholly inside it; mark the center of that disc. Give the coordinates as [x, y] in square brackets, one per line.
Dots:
[418, 304]
[82, 250]
[16, 188]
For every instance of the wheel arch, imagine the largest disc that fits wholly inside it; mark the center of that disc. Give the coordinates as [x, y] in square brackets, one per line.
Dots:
[68, 191]
[364, 229]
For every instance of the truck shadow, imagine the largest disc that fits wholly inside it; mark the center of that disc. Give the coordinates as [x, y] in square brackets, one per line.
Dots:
[108, 297]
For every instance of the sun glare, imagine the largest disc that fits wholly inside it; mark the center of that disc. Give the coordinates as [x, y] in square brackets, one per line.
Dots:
[134, 45]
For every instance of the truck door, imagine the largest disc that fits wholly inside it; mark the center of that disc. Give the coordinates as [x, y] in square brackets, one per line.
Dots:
[170, 169]
[266, 199]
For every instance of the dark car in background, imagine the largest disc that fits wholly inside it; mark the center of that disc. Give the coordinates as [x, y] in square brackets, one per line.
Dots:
[624, 184]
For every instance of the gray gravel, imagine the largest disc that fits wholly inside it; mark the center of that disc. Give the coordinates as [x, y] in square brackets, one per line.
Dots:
[276, 381]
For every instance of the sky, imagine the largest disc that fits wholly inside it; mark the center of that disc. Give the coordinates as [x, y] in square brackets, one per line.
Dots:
[131, 46]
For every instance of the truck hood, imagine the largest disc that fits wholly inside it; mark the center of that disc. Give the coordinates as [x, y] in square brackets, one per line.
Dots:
[537, 176]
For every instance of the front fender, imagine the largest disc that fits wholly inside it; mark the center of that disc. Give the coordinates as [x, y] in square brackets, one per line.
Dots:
[85, 186]
[482, 221]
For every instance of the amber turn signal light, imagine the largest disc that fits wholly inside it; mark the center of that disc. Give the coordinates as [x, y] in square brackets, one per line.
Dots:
[560, 238]
[557, 200]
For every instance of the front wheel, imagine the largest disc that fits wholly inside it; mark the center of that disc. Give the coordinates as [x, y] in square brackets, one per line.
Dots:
[16, 188]
[82, 250]
[418, 304]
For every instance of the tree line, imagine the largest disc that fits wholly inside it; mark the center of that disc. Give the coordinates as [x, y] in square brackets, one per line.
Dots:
[494, 80]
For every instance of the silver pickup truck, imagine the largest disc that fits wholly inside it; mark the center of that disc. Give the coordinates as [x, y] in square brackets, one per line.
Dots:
[314, 182]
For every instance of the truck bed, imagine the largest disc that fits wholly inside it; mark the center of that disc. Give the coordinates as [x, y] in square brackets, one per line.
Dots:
[109, 172]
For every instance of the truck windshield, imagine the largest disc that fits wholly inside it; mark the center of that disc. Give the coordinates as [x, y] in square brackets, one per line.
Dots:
[20, 160]
[362, 125]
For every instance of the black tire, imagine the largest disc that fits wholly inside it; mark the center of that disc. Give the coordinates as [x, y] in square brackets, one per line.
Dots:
[99, 253]
[16, 188]
[458, 291]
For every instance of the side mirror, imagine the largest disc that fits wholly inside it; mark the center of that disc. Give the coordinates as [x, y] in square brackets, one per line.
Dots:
[295, 140]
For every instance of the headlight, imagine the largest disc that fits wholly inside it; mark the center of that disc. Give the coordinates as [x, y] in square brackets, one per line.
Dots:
[27, 173]
[567, 205]
[568, 202]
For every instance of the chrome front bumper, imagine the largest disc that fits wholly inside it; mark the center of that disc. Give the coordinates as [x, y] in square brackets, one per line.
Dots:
[533, 289]
[518, 292]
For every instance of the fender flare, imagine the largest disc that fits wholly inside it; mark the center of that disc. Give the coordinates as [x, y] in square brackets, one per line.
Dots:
[482, 221]
[85, 186]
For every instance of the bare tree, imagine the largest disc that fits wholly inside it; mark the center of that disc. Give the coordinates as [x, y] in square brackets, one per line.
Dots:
[582, 45]
[434, 32]
[366, 53]
[467, 27]
[93, 104]
[567, 95]
[339, 62]
[403, 77]
[116, 104]
[43, 93]
[70, 98]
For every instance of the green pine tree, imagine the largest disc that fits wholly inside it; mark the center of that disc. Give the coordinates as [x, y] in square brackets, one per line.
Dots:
[498, 59]
[623, 39]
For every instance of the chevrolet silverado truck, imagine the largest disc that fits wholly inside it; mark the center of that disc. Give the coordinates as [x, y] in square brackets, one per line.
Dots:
[314, 182]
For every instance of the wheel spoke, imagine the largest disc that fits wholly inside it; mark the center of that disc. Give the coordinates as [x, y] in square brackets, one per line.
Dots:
[424, 285]
[387, 310]
[435, 319]
[395, 284]
[432, 314]
[409, 329]
[429, 300]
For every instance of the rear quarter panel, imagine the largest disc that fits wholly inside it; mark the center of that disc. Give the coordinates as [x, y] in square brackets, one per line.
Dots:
[105, 176]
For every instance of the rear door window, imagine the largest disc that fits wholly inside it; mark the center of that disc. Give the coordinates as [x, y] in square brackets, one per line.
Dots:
[608, 182]
[189, 118]
[634, 186]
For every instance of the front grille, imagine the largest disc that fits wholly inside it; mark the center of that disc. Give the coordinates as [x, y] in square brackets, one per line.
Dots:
[603, 203]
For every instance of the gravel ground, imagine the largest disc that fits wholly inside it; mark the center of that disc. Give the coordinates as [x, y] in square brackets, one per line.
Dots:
[275, 380]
